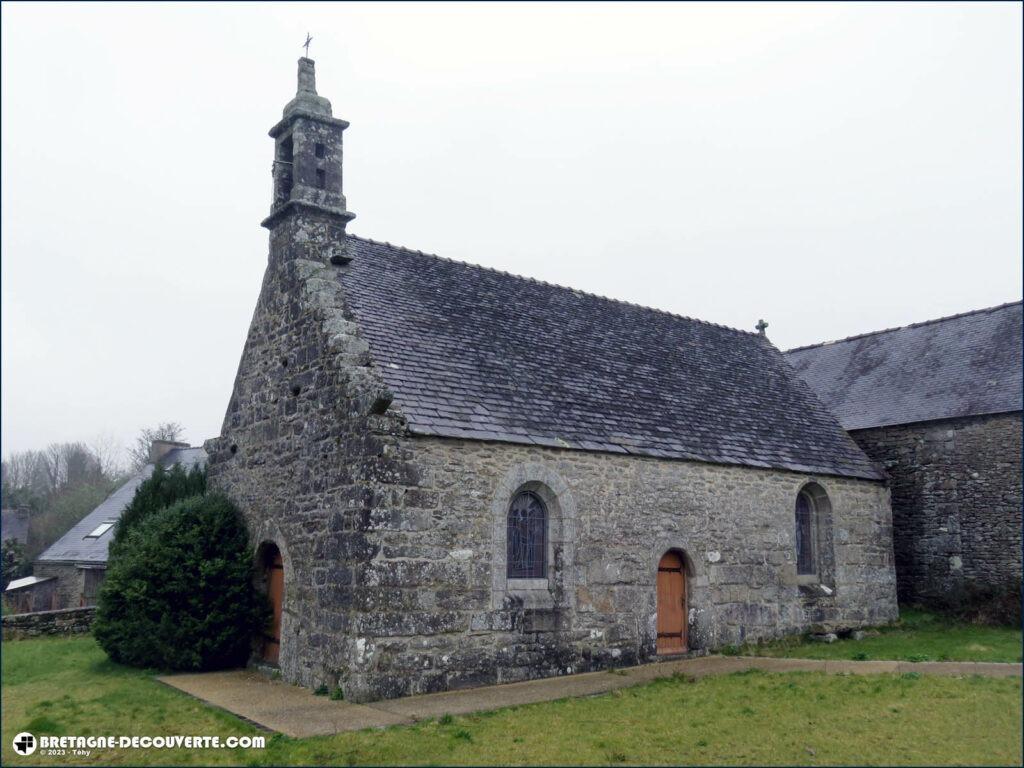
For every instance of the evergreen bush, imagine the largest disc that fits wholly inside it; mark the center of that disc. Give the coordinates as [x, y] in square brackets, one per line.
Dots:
[179, 592]
[159, 491]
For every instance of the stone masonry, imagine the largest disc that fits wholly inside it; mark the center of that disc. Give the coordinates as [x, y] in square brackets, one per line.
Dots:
[75, 584]
[70, 582]
[393, 542]
[393, 545]
[69, 621]
[956, 502]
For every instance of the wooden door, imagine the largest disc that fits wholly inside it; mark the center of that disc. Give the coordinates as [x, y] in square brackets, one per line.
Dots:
[275, 592]
[671, 604]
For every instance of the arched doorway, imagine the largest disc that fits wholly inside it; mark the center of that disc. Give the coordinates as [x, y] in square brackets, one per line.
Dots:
[273, 578]
[671, 604]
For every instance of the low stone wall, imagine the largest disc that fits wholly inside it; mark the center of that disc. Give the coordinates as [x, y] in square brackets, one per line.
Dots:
[70, 621]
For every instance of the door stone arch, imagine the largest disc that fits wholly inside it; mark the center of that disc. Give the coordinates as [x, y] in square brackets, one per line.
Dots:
[672, 603]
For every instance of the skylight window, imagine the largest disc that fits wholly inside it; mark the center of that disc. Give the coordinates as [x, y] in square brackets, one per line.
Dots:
[100, 529]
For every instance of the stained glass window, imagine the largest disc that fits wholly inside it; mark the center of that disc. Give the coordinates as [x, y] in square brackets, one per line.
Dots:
[527, 537]
[805, 560]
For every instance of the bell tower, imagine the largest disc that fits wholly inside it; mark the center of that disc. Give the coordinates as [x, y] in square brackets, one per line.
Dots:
[308, 212]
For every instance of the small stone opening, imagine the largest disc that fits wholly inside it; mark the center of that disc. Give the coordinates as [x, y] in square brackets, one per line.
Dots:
[321, 178]
[285, 150]
[319, 150]
[284, 362]
[234, 449]
[296, 390]
[283, 171]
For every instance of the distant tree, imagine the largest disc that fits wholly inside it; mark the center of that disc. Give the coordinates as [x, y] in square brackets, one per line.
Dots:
[61, 466]
[110, 454]
[138, 453]
[59, 485]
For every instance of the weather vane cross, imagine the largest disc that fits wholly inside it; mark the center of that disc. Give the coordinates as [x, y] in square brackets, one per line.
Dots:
[306, 44]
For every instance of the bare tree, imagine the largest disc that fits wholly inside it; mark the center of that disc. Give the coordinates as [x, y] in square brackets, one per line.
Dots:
[139, 452]
[59, 467]
[60, 485]
[36, 472]
[109, 453]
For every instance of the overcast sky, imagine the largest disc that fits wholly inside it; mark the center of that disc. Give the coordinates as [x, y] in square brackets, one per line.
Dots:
[834, 169]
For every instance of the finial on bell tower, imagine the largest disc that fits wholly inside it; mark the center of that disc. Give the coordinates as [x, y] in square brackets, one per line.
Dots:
[307, 166]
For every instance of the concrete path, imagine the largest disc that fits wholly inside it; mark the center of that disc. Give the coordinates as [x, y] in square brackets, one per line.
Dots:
[297, 712]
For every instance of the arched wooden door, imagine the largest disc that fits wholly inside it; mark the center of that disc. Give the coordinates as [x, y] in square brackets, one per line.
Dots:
[671, 604]
[275, 593]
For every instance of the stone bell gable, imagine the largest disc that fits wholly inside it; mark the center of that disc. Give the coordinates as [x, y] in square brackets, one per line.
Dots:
[455, 476]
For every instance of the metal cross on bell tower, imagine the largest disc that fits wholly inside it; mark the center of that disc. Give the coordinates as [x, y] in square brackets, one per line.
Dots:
[306, 44]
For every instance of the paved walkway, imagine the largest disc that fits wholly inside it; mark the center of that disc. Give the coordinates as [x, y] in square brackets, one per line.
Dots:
[296, 711]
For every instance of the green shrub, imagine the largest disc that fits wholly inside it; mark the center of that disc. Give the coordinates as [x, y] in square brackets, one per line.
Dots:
[159, 491]
[179, 593]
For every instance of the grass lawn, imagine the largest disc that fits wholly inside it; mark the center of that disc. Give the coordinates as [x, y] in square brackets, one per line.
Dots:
[66, 686]
[917, 636]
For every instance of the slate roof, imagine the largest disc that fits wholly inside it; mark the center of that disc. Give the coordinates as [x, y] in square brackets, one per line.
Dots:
[964, 365]
[474, 353]
[74, 547]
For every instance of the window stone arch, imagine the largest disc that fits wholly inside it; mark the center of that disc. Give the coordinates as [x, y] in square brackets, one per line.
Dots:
[557, 585]
[813, 536]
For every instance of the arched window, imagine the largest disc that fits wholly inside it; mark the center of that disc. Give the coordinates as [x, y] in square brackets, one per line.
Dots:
[527, 537]
[806, 536]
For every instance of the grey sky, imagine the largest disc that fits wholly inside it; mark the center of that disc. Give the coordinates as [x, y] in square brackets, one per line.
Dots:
[834, 169]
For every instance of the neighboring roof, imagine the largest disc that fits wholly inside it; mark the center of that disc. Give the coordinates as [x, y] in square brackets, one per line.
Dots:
[27, 581]
[14, 525]
[474, 353]
[73, 546]
[964, 365]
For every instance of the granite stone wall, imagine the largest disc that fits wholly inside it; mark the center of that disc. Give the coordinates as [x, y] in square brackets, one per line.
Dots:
[448, 617]
[308, 448]
[69, 621]
[69, 582]
[393, 546]
[956, 502]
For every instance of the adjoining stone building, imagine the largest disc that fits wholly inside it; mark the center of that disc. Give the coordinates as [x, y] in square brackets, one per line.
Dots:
[456, 477]
[77, 561]
[938, 404]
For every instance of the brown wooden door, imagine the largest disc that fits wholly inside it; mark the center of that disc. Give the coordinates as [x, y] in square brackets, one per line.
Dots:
[275, 592]
[671, 604]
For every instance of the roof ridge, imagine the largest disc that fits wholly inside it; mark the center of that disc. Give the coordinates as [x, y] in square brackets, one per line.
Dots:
[537, 281]
[904, 327]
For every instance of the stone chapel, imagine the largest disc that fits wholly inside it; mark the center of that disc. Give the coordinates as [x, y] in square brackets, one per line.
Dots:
[455, 476]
